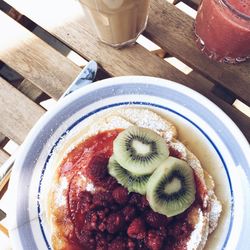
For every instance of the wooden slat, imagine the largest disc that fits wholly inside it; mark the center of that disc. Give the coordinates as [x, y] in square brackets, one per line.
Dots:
[4, 230]
[4, 171]
[21, 114]
[3, 189]
[173, 30]
[4, 183]
[34, 59]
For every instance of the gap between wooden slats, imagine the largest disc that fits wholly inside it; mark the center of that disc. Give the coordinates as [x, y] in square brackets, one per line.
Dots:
[3, 156]
[192, 3]
[34, 59]
[17, 111]
[3, 140]
[175, 34]
[196, 2]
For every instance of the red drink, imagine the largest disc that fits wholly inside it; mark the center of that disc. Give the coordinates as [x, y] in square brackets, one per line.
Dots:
[222, 28]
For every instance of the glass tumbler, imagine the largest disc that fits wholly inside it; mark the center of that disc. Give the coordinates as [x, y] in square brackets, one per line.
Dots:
[117, 22]
[222, 29]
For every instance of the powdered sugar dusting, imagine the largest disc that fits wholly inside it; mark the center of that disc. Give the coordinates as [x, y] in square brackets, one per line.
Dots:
[60, 198]
[179, 147]
[149, 119]
[195, 164]
[196, 236]
[90, 187]
[108, 123]
[214, 215]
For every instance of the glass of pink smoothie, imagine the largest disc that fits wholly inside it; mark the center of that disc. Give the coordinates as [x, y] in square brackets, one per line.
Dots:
[222, 28]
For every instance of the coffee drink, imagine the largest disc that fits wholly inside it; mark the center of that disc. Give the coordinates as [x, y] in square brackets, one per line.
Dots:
[117, 22]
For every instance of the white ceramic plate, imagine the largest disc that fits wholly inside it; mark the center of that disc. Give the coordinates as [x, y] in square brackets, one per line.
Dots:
[211, 135]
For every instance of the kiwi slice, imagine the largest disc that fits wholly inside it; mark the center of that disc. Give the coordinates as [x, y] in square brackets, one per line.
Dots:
[140, 150]
[134, 183]
[171, 188]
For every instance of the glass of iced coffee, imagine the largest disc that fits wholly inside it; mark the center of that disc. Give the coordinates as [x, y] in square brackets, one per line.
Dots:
[117, 22]
[222, 29]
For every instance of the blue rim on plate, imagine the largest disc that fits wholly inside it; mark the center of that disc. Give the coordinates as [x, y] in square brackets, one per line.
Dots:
[27, 228]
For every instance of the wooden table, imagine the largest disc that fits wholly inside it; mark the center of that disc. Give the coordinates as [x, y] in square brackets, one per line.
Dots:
[44, 44]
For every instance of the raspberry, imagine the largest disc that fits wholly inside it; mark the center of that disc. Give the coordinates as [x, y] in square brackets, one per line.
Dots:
[137, 229]
[101, 214]
[119, 243]
[143, 205]
[85, 197]
[87, 240]
[153, 240]
[109, 183]
[114, 207]
[110, 237]
[155, 220]
[141, 245]
[101, 242]
[175, 243]
[180, 244]
[170, 243]
[102, 227]
[98, 168]
[181, 229]
[103, 199]
[91, 220]
[131, 244]
[135, 199]
[120, 195]
[97, 171]
[162, 232]
[115, 222]
[129, 213]
[139, 201]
